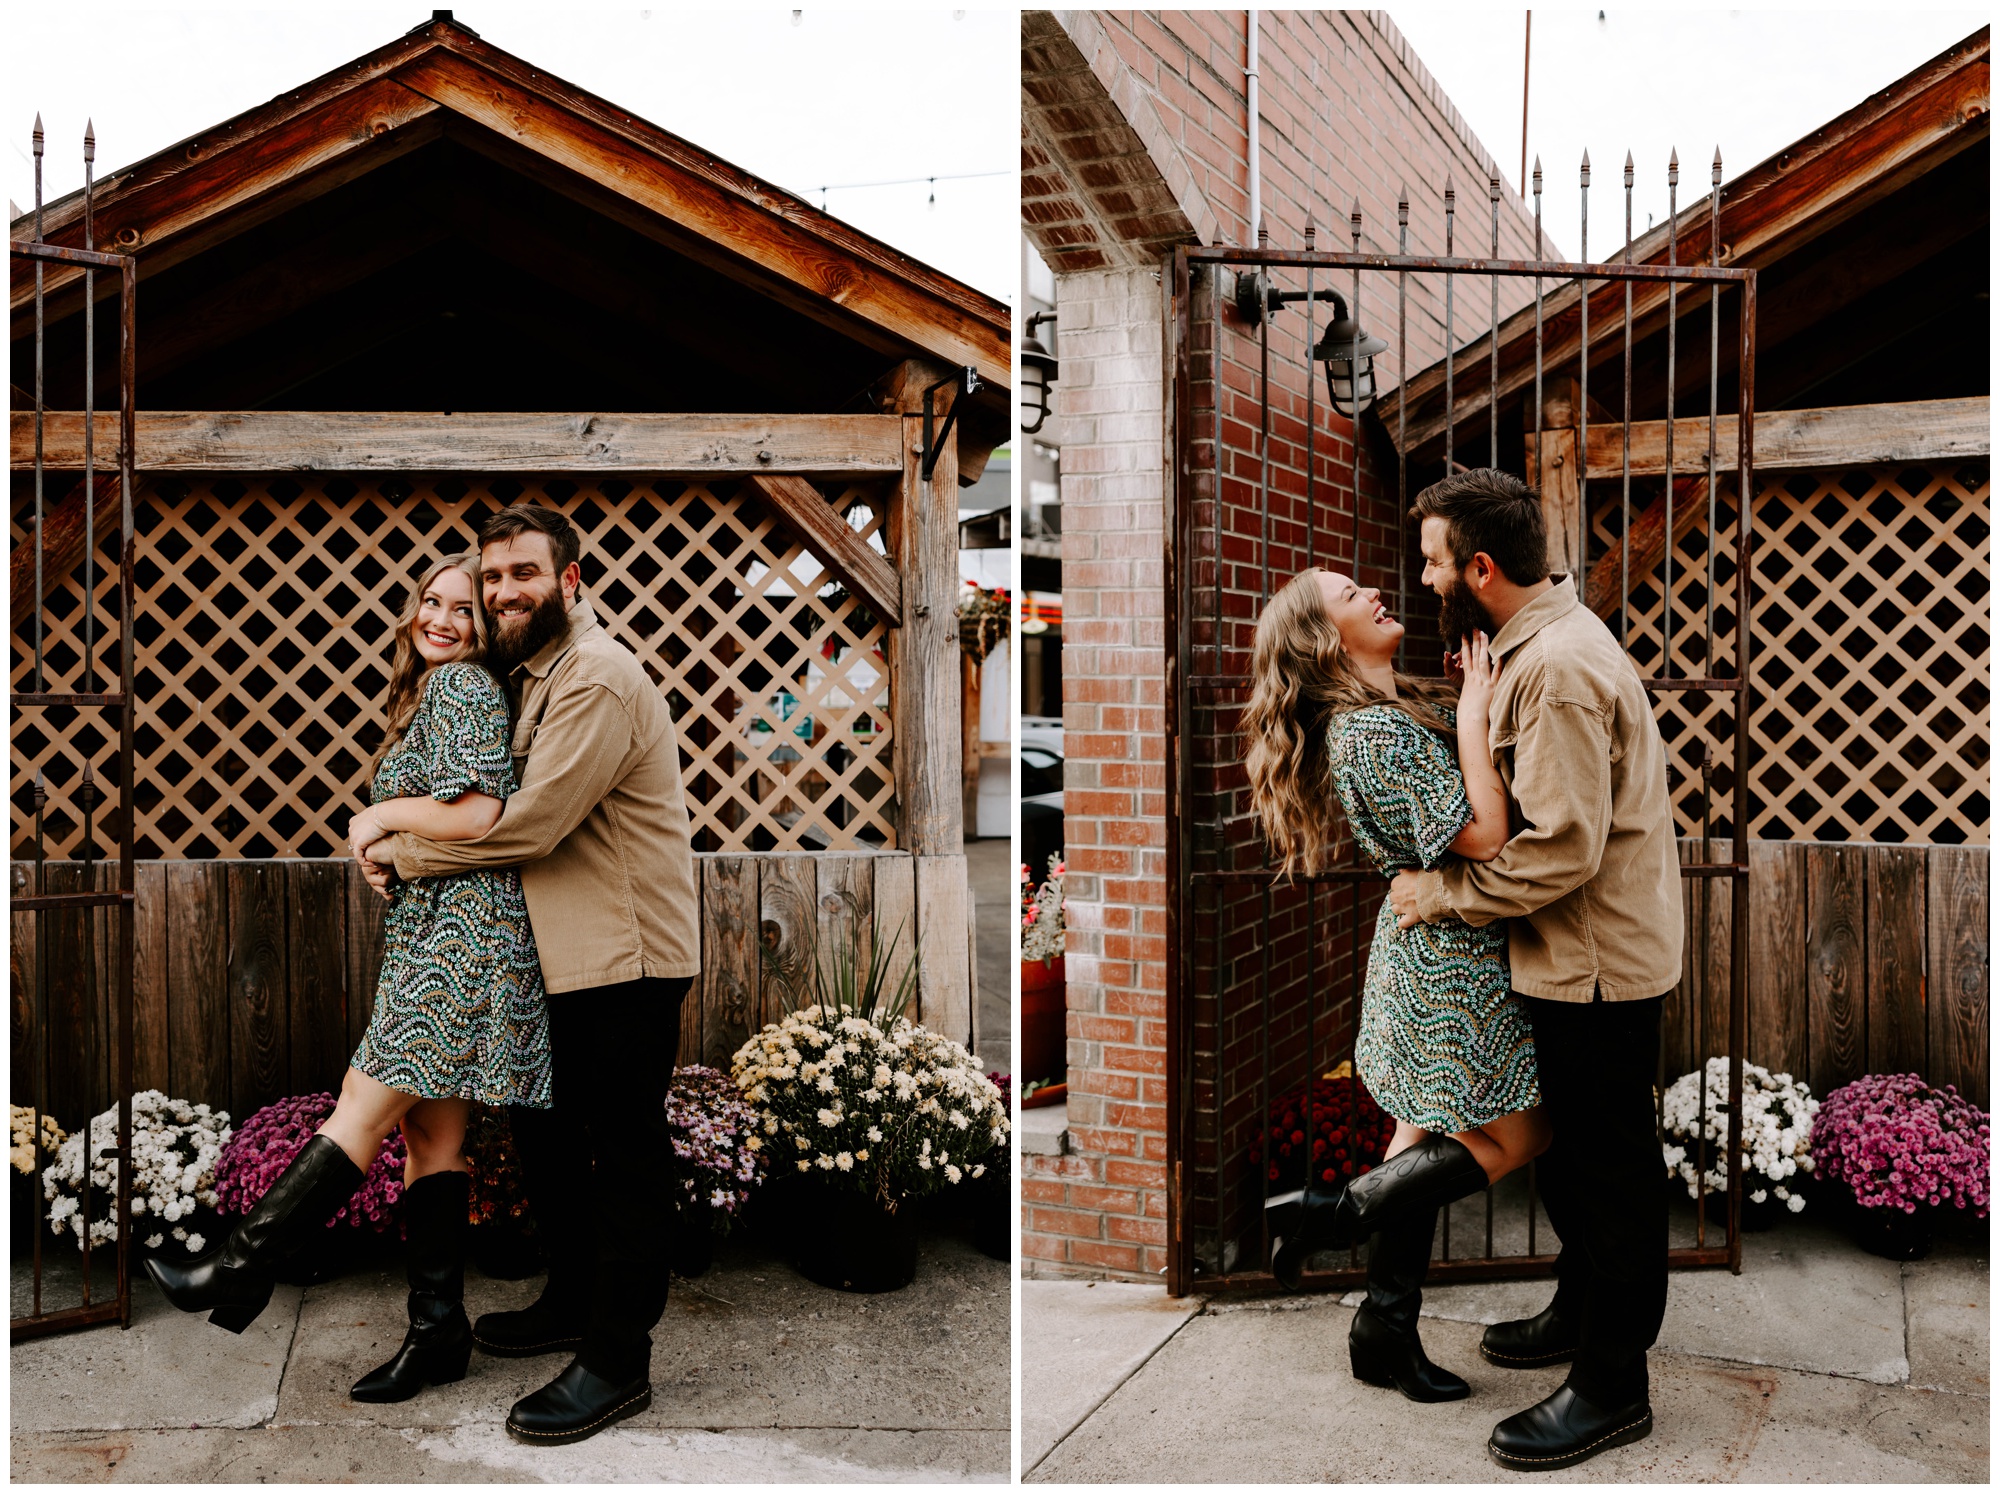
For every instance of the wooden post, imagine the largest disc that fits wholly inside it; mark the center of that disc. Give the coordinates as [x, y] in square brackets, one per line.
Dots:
[929, 748]
[1556, 471]
[970, 676]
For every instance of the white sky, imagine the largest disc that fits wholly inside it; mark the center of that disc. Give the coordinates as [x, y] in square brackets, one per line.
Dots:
[1648, 80]
[841, 97]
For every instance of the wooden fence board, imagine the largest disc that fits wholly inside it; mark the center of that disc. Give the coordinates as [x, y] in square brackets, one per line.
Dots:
[259, 1015]
[730, 978]
[1895, 935]
[942, 958]
[316, 975]
[71, 1000]
[21, 986]
[896, 914]
[365, 911]
[198, 981]
[1960, 969]
[1836, 965]
[846, 906]
[787, 922]
[1777, 952]
[150, 1034]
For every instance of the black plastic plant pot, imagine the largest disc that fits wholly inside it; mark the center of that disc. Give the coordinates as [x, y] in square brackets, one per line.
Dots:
[850, 1242]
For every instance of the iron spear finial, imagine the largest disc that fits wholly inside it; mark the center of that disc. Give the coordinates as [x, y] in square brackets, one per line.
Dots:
[1715, 171]
[89, 140]
[1673, 168]
[1538, 176]
[1263, 232]
[1586, 166]
[1403, 205]
[1312, 233]
[1628, 168]
[38, 132]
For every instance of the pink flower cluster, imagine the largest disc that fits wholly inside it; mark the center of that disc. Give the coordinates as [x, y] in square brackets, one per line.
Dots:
[1899, 1143]
[716, 1145]
[264, 1145]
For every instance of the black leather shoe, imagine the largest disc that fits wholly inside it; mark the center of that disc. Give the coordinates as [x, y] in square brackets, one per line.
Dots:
[1525, 1343]
[438, 1344]
[1383, 1346]
[1566, 1429]
[232, 1283]
[575, 1405]
[552, 1324]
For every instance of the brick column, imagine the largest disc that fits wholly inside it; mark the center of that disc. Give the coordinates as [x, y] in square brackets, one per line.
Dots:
[1100, 1209]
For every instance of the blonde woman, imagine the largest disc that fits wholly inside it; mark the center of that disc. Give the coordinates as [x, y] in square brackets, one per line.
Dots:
[459, 1013]
[1443, 1046]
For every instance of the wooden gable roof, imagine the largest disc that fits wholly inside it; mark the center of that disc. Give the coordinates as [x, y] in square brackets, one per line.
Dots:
[1771, 215]
[442, 81]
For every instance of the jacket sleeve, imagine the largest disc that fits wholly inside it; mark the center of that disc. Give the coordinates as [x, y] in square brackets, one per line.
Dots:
[1562, 785]
[583, 739]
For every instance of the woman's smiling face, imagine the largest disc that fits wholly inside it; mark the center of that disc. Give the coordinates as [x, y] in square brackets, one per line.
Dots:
[1366, 628]
[444, 628]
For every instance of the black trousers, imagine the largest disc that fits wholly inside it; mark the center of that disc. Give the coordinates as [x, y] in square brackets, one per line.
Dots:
[1600, 1181]
[598, 1166]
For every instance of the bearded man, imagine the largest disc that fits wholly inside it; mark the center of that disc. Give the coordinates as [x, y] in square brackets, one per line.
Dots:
[1590, 885]
[599, 830]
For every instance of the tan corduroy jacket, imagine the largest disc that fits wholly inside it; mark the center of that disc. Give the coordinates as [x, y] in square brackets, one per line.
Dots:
[598, 826]
[1590, 877]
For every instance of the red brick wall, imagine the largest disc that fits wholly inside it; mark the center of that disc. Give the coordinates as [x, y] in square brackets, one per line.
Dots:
[1346, 112]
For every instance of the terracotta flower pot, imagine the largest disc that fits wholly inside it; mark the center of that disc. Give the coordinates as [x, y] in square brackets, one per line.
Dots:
[1044, 1013]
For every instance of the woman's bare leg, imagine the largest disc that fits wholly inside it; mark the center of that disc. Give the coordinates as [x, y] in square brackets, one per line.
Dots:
[368, 1110]
[1502, 1145]
[1406, 1137]
[434, 1137]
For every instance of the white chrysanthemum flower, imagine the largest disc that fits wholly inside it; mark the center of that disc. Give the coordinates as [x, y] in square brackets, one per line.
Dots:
[845, 1161]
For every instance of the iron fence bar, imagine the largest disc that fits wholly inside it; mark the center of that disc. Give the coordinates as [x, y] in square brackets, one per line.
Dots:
[1583, 395]
[1541, 454]
[1450, 341]
[1727, 683]
[45, 253]
[89, 464]
[1625, 463]
[128, 913]
[1714, 373]
[31, 698]
[1354, 392]
[1673, 318]
[1312, 514]
[1263, 430]
[1739, 950]
[41, 925]
[1402, 418]
[1245, 1284]
[68, 900]
[87, 796]
[1215, 412]
[1449, 265]
[1492, 336]
[41, 414]
[1180, 316]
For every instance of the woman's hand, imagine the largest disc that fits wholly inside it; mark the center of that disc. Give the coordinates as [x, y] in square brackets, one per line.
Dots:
[363, 831]
[1481, 671]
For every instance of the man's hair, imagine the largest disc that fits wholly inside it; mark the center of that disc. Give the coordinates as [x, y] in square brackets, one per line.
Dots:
[521, 518]
[1494, 511]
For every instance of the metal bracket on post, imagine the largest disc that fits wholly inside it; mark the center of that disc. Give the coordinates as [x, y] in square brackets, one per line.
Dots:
[968, 380]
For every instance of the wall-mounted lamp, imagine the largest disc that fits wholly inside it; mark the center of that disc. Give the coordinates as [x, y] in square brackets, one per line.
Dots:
[1038, 371]
[1347, 351]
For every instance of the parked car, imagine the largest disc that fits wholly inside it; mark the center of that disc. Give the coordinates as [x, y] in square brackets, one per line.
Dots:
[1041, 792]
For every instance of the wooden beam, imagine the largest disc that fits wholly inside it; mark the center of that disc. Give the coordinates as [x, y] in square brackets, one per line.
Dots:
[861, 569]
[424, 441]
[62, 549]
[1646, 543]
[1924, 119]
[730, 225]
[1929, 430]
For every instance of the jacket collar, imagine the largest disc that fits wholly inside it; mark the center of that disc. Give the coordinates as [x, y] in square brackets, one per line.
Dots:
[1558, 601]
[581, 621]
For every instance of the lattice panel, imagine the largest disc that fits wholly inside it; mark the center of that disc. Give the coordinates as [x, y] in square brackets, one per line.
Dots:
[1871, 648]
[264, 617]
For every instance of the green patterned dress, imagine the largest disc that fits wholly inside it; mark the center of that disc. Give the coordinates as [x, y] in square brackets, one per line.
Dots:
[459, 1011]
[1444, 1043]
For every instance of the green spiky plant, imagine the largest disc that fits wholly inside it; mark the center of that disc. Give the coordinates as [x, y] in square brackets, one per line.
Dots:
[835, 977]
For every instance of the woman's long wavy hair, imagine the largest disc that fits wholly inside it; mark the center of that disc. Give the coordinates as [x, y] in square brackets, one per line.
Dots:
[1300, 679]
[407, 667]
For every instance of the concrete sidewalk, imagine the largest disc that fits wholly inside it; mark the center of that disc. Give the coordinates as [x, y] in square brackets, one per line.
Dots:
[1818, 1363]
[758, 1376]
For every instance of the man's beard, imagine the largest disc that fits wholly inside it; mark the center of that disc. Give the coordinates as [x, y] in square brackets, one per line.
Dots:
[1460, 615]
[516, 645]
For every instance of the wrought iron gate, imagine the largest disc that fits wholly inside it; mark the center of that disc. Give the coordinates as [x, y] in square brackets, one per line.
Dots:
[1264, 978]
[76, 682]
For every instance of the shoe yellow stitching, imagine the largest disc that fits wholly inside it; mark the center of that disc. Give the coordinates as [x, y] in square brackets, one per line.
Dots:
[1498, 1452]
[524, 1432]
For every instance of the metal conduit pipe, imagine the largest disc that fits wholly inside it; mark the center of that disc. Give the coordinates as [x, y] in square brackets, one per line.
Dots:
[1250, 85]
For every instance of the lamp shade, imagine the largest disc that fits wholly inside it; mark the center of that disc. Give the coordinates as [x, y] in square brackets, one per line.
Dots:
[1349, 355]
[1038, 371]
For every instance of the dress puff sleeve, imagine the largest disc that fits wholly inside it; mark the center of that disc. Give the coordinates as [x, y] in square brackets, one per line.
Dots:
[466, 743]
[1400, 785]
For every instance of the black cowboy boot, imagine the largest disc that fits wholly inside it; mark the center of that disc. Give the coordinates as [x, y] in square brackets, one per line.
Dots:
[439, 1340]
[555, 1321]
[233, 1283]
[1382, 1344]
[1301, 1223]
[1436, 1172]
